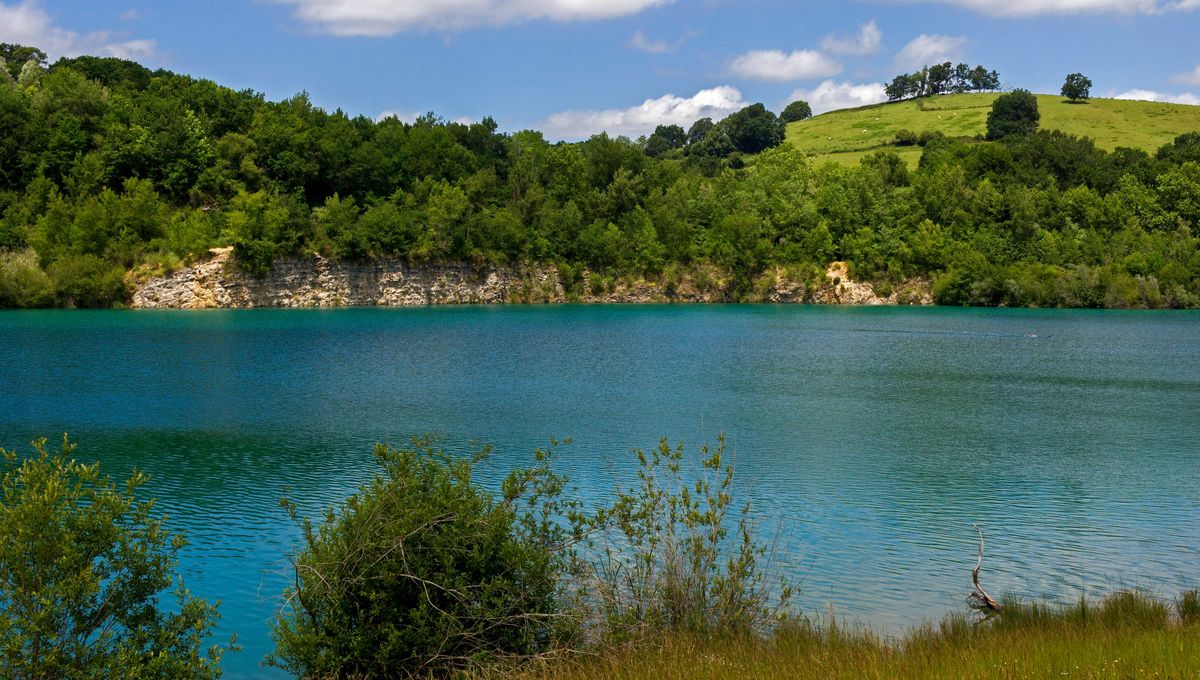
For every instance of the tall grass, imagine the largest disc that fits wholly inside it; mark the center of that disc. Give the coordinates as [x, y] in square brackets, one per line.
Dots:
[1127, 635]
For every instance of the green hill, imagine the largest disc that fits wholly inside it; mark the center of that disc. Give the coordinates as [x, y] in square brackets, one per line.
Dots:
[846, 136]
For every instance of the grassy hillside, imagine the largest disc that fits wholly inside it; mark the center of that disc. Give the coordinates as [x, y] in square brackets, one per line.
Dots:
[846, 136]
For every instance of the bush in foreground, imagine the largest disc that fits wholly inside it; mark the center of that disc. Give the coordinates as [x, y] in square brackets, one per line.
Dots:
[83, 566]
[424, 572]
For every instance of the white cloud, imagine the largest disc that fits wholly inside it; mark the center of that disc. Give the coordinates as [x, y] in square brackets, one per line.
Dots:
[26, 23]
[864, 44]
[925, 50]
[715, 103]
[1190, 78]
[831, 96]
[1020, 8]
[778, 66]
[640, 42]
[389, 17]
[644, 44]
[1152, 96]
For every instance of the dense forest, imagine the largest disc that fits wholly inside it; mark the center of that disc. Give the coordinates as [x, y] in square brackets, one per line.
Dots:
[109, 171]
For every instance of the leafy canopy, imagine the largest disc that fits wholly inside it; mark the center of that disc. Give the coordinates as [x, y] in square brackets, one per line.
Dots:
[83, 566]
[1015, 113]
[424, 572]
[1077, 87]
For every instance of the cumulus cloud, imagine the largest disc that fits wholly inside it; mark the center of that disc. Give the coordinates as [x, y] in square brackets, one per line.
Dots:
[777, 66]
[26, 23]
[928, 49]
[1020, 8]
[864, 44]
[389, 17]
[1152, 96]
[715, 103]
[1190, 78]
[831, 96]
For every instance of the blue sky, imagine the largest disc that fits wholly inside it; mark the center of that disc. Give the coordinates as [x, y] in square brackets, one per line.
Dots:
[575, 67]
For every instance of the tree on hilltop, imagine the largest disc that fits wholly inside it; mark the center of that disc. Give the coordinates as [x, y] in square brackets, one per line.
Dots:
[1077, 88]
[797, 110]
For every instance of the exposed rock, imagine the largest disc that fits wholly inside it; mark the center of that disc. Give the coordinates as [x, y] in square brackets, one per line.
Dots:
[840, 289]
[319, 282]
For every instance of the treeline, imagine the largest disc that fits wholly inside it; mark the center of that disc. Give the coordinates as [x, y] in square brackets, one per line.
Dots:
[944, 78]
[108, 168]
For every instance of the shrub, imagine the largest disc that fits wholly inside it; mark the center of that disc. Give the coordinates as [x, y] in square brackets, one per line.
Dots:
[906, 138]
[663, 561]
[423, 572]
[22, 281]
[88, 281]
[83, 565]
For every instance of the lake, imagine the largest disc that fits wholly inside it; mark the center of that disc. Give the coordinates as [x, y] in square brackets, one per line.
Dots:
[868, 439]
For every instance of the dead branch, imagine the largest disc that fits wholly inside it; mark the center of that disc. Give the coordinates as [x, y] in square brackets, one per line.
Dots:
[979, 599]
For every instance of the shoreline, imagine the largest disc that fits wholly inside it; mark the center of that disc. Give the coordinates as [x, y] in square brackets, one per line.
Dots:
[218, 283]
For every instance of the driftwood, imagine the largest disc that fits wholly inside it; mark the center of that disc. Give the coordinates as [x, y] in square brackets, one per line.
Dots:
[979, 599]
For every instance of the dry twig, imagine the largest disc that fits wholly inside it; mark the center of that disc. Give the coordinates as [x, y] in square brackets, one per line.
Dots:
[979, 599]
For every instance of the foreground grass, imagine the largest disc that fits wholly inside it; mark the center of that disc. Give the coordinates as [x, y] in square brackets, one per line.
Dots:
[845, 136]
[1125, 636]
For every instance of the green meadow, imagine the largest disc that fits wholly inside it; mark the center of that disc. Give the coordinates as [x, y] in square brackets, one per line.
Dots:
[846, 136]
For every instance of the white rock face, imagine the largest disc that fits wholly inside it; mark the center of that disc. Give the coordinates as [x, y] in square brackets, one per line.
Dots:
[318, 282]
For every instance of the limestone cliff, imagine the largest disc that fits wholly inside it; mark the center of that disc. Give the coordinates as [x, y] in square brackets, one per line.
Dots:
[217, 282]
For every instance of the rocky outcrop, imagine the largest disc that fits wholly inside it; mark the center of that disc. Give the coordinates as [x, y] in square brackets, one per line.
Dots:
[839, 289]
[319, 282]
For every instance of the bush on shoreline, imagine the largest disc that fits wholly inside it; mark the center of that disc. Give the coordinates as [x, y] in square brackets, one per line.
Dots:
[84, 566]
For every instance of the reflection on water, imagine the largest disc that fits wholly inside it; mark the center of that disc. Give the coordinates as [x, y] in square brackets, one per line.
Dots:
[872, 438]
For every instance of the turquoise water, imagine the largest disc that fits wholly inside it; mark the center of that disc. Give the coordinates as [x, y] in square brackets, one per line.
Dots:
[870, 439]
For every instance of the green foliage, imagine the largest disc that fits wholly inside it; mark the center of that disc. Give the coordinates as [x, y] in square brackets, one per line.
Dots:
[941, 78]
[664, 560]
[754, 129]
[797, 110]
[1014, 113]
[83, 566]
[422, 572]
[87, 281]
[106, 166]
[22, 281]
[1077, 87]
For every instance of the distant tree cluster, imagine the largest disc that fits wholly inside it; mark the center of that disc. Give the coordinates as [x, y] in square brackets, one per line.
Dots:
[110, 171]
[944, 78]
[748, 131]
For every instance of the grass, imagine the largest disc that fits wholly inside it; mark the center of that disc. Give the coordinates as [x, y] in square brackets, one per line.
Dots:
[844, 137]
[1127, 635]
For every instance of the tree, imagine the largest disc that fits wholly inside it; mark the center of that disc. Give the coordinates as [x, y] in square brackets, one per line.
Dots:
[754, 129]
[1077, 88]
[16, 56]
[422, 572]
[797, 110]
[83, 565]
[664, 139]
[1013, 113]
[699, 130]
